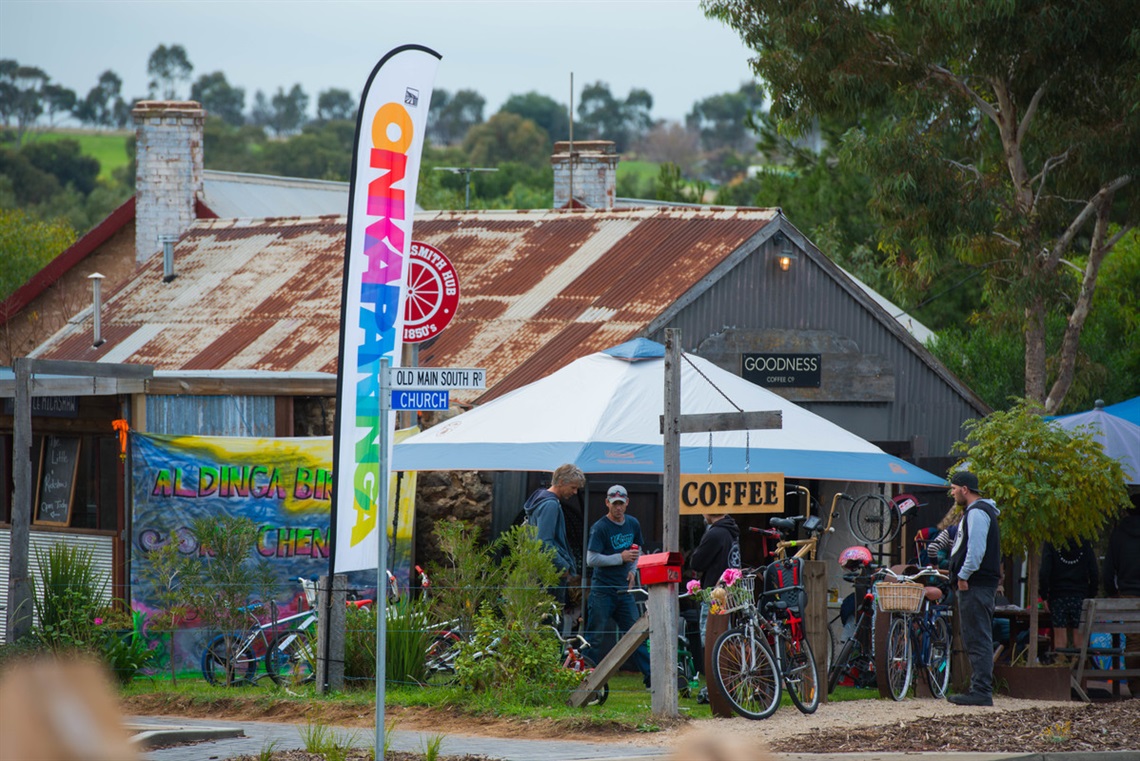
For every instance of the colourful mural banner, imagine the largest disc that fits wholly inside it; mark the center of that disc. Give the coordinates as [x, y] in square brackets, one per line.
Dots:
[284, 485]
[382, 199]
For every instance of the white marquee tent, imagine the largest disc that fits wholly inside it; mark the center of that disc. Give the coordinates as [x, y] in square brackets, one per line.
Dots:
[602, 413]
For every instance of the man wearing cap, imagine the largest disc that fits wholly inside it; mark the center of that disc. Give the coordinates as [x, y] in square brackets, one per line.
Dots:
[975, 561]
[615, 541]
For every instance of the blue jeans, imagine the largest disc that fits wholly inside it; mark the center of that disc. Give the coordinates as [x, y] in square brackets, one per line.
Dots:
[610, 602]
[976, 606]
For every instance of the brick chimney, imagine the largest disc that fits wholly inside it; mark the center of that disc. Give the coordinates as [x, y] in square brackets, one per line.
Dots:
[168, 180]
[595, 174]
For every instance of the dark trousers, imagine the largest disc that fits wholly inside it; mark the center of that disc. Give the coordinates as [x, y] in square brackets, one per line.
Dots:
[976, 607]
[606, 603]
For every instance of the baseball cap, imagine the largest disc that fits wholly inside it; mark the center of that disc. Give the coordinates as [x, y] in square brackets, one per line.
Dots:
[617, 493]
[967, 479]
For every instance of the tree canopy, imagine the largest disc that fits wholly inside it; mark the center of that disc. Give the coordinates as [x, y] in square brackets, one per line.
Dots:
[220, 98]
[168, 68]
[1013, 142]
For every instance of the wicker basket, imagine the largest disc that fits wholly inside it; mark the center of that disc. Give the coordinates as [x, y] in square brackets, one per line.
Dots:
[903, 597]
[742, 592]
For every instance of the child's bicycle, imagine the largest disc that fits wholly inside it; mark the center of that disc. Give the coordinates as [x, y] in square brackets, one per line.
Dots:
[284, 645]
[688, 678]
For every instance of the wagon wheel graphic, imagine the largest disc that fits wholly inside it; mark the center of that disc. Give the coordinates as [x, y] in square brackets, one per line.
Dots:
[425, 293]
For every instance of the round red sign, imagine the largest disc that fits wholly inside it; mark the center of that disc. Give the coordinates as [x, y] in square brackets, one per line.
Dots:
[433, 293]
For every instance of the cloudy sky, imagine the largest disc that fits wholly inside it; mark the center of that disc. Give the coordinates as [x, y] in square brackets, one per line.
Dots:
[496, 47]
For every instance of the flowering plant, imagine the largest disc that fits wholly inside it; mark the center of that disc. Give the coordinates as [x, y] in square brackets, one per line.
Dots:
[720, 597]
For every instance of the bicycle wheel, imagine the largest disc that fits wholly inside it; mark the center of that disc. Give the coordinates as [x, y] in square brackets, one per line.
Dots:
[798, 670]
[222, 665]
[839, 666]
[440, 658]
[898, 658]
[598, 696]
[938, 660]
[291, 658]
[744, 669]
[873, 519]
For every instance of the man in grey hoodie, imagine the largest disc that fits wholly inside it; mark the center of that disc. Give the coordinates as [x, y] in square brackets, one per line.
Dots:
[544, 512]
[975, 561]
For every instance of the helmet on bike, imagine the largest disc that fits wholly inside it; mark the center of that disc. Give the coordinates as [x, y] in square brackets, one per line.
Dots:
[855, 556]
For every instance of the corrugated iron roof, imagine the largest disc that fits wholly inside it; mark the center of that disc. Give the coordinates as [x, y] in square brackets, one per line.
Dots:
[238, 195]
[538, 289]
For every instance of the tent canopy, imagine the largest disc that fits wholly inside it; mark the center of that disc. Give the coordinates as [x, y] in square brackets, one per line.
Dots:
[1119, 438]
[602, 413]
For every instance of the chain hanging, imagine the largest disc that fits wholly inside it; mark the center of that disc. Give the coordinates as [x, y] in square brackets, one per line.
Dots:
[710, 451]
[747, 451]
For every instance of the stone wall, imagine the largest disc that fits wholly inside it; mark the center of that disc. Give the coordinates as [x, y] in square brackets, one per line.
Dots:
[449, 495]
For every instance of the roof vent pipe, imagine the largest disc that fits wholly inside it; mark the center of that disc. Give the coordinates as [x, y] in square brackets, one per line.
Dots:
[167, 242]
[97, 307]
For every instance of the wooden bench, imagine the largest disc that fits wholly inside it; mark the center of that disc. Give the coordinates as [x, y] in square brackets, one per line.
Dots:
[1113, 616]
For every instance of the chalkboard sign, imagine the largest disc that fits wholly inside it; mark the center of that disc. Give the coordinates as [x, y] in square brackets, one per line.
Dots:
[59, 463]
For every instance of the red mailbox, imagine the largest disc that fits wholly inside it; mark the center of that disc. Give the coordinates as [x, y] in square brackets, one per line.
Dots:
[660, 568]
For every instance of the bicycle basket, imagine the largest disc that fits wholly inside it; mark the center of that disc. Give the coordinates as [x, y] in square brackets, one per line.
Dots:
[904, 597]
[743, 592]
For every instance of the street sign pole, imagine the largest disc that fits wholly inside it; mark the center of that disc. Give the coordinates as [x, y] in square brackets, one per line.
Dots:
[382, 553]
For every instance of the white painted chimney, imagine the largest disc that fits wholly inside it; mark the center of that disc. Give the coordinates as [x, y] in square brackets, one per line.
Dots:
[595, 174]
[168, 181]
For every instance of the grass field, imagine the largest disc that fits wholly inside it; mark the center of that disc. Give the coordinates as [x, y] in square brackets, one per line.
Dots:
[109, 148]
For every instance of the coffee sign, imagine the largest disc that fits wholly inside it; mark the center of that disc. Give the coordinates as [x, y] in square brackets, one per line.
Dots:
[732, 493]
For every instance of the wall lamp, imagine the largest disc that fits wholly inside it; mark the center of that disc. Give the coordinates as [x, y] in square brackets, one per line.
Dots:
[787, 253]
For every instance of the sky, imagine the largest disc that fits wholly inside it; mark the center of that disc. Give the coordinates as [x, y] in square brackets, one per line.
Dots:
[496, 47]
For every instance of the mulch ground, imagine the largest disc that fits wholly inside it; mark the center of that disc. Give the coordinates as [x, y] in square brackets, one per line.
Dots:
[1099, 727]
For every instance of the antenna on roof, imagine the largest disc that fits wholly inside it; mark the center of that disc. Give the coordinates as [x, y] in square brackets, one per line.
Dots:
[571, 140]
[466, 172]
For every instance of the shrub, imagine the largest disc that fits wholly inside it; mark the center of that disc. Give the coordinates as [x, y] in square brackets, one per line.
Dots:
[72, 595]
[407, 641]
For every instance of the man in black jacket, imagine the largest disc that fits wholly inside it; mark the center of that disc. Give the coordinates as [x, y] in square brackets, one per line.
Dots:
[718, 549]
[975, 561]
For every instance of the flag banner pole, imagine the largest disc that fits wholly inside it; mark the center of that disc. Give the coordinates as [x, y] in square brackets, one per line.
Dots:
[390, 125]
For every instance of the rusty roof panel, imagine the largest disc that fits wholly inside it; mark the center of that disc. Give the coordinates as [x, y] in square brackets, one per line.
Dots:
[538, 289]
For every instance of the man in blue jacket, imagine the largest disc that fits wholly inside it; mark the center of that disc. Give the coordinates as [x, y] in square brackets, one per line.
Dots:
[544, 512]
[975, 561]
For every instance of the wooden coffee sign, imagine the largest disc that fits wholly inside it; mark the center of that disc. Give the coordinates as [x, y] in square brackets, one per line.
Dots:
[59, 464]
[732, 493]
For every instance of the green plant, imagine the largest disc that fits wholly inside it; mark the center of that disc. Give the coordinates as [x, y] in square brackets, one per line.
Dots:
[513, 649]
[164, 571]
[469, 577]
[125, 654]
[268, 750]
[360, 648]
[219, 585]
[71, 595]
[407, 642]
[316, 735]
[432, 746]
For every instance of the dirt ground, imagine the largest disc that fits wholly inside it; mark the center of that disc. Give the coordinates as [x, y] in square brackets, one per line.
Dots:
[863, 725]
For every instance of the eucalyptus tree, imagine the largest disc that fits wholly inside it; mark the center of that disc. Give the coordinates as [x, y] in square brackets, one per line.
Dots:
[1012, 146]
[168, 67]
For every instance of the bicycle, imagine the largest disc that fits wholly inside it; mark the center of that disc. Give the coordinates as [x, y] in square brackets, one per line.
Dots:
[782, 621]
[783, 528]
[288, 655]
[688, 679]
[855, 658]
[874, 519]
[743, 666]
[919, 636]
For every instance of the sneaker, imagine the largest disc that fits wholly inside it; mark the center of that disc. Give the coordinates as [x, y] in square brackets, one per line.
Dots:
[971, 699]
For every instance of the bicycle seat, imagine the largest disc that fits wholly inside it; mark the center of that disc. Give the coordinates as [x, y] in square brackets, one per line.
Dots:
[934, 594]
[786, 525]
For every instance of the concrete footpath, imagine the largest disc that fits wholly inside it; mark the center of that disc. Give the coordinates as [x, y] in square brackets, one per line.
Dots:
[228, 739]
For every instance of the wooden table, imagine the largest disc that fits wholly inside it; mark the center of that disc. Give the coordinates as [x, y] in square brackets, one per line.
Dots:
[1019, 622]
